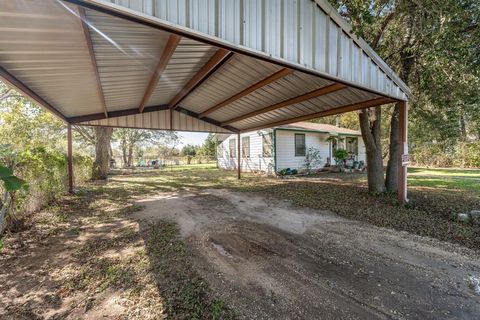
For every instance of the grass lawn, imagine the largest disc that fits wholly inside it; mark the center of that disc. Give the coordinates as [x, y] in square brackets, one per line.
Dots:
[456, 179]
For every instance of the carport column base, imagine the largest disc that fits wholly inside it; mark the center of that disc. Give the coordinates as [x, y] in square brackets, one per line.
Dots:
[403, 154]
[239, 165]
[70, 158]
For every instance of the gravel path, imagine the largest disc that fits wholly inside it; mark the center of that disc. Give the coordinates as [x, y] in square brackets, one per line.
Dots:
[269, 260]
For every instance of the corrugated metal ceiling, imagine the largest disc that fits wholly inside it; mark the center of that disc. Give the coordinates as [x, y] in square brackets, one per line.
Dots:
[52, 61]
[47, 51]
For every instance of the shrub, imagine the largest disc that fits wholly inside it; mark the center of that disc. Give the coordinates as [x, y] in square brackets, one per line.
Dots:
[45, 171]
[312, 159]
[467, 155]
[340, 156]
[463, 154]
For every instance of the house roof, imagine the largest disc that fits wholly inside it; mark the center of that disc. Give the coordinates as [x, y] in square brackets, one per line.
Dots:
[320, 127]
[307, 126]
[222, 66]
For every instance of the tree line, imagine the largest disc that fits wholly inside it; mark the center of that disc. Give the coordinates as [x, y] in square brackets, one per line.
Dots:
[434, 46]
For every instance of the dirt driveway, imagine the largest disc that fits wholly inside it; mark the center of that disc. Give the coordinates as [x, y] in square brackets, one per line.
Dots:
[269, 260]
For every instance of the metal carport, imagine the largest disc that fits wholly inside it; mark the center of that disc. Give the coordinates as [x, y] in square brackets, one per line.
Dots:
[226, 66]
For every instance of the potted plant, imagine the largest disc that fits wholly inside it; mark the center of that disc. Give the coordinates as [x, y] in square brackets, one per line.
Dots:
[341, 156]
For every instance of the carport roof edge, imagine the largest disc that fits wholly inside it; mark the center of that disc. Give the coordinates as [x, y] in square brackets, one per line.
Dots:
[155, 22]
[254, 103]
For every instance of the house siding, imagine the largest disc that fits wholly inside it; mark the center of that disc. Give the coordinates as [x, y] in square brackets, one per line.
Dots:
[255, 163]
[284, 153]
[286, 148]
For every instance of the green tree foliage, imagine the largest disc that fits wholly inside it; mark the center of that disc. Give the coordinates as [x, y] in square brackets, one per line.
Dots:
[133, 141]
[33, 146]
[434, 46]
[341, 156]
[11, 184]
[189, 151]
[209, 147]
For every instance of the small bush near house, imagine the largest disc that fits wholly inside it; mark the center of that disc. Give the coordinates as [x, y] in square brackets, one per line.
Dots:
[312, 159]
[340, 156]
[287, 172]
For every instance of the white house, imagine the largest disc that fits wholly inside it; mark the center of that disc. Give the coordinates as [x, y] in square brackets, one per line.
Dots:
[274, 149]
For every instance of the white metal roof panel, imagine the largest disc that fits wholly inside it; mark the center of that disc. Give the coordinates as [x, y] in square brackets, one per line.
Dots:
[128, 46]
[127, 54]
[323, 103]
[309, 33]
[51, 61]
[291, 86]
[159, 120]
[234, 76]
[186, 61]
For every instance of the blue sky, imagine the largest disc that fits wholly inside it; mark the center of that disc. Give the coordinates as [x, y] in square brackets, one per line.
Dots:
[195, 138]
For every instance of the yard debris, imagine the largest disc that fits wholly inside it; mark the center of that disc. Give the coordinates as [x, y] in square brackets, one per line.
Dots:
[475, 284]
[463, 217]
[475, 216]
[472, 216]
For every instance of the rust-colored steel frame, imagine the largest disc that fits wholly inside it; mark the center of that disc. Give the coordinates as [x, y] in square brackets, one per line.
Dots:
[208, 120]
[274, 77]
[14, 82]
[167, 53]
[88, 40]
[216, 61]
[351, 107]
[70, 159]
[304, 97]
[403, 143]
[235, 49]
[115, 114]
[239, 158]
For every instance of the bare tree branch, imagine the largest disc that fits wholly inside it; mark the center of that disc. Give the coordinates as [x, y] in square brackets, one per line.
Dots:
[85, 132]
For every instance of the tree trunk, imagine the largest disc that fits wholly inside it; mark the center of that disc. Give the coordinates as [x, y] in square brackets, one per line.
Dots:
[391, 181]
[370, 125]
[4, 206]
[407, 63]
[124, 156]
[110, 151]
[130, 155]
[463, 126]
[102, 158]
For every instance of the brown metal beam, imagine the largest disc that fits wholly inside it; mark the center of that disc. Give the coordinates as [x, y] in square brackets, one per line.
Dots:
[167, 53]
[304, 97]
[206, 119]
[88, 40]
[217, 60]
[115, 114]
[219, 44]
[347, 108]
[276, 76]
[70, 158]
[403, 146]
[239, 158]
[14, 82]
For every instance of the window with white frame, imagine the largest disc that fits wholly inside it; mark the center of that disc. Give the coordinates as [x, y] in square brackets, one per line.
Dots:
[245, 147]
[267, 145]
[299, 144]
[232, 148]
